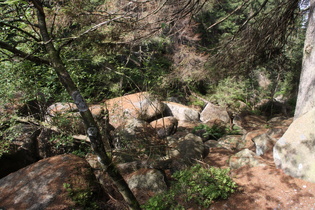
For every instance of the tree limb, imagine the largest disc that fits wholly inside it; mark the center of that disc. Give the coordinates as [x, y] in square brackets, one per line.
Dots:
[71, 39]
[20, 30]
[24, 55]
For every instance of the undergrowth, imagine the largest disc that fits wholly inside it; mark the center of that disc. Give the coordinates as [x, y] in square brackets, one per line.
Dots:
[215, 132]
[197, 186]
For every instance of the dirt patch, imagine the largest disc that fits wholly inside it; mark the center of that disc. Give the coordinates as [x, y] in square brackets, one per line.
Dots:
[264, 187]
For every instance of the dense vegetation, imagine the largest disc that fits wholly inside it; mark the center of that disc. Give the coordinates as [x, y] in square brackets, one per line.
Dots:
[215, 49]
[232, 53]
[197, 186]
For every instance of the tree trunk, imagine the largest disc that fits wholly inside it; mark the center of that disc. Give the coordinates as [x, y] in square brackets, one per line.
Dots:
[306, 94]
[92, 128]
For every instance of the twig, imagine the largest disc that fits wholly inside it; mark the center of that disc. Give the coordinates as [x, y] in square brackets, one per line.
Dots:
[226, 17]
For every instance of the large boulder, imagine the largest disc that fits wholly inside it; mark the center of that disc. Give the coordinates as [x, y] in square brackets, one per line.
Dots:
[264, 143]
[60, 182]
[232, 142]
[181, 112]
[60, 108]
[65, 117]
[147, 180]
[294, 152]
[128, 133]
[263, 139]
[29, 143]
[146, 183]
[212, 112]
[165, 126]
[143, 106]
[248, 137]
[245, 157]
[187, 148]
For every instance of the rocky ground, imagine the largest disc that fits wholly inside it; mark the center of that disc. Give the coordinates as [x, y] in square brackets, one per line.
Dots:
[248, 152]
[263, 187]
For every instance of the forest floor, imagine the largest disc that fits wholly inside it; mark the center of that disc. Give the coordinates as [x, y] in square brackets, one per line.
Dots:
[263, 187]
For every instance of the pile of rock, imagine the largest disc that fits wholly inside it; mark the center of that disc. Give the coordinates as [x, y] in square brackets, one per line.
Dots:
[143, 116]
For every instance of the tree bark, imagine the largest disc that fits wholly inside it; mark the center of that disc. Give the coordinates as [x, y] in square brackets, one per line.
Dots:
[306, 94]
[92, 128]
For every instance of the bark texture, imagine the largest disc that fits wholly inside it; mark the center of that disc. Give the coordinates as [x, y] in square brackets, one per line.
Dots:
[306, 94]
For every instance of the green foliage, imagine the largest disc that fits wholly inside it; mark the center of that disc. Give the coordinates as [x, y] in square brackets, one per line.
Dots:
[81, 197]
[7, 133]
[253, 37]
[212, 13]
[214, 132]
[80, 152]
[65, 142]
[234, 131]
[104, 65]
[70, 123]
[29, 79]
[203, 185]
[12, 2]
[231, 91]
[62, 140]
[163, 201]
[8, 83]
[194, 186]
[196, 102]
[103, 75]
[4, 144]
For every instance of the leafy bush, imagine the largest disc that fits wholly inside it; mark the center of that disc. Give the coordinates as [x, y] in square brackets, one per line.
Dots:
[70, 123]
[231, 90]
[206, 132]
[197, 185]
[4, 146]
[81, 197]
[7, 133]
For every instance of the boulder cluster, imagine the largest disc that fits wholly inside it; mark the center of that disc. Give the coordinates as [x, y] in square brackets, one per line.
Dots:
[149, 139]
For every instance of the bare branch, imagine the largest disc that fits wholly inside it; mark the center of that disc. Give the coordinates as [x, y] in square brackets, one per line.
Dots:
[226, 17]
[53, 24]
[20, 30]
[306, 9]
[260, 40]
[71, 39]
[21, 54]
[255, 14]
[33, 26]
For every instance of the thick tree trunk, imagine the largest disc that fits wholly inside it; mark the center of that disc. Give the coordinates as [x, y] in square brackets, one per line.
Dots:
[92, 128]
[306, 94]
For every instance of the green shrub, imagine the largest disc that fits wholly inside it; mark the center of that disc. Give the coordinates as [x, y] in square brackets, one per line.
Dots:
[69, 123]
[214, 132]
[4, 146]
[231, 90]
[81, 197]
[62, 140]
[194, 186]
[7, 133]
